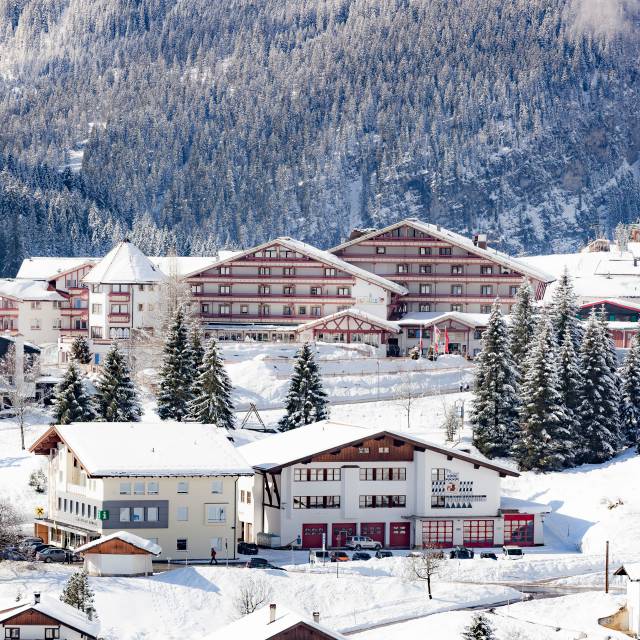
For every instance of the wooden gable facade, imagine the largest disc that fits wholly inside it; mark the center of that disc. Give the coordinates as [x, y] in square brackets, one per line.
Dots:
[303, 631]
[116, 546]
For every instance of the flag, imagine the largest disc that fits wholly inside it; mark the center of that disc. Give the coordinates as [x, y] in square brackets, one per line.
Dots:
[436, 339]
[421, 332]
[446, 340]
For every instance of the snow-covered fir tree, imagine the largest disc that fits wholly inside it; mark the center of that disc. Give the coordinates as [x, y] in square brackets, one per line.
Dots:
[570, 380]
[544, 443]
[495, 404]
[176, 374]
[116, 399]
[479, 629]
[306, 400]
[78, 593]
[522, 327]
[598, 413]
[71, 402]
[80, 351]
[212, 402]
[564, 311]
[630, 402]
[196, 347]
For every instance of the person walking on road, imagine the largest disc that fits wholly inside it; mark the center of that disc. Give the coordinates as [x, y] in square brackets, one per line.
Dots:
[213, 556]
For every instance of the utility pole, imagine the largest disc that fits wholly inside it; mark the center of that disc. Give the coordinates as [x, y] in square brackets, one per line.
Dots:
[606, 568]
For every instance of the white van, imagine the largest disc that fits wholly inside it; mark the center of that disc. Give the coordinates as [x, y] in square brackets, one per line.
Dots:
[318, 556]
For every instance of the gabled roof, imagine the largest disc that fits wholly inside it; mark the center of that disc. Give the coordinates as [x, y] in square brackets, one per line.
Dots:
[133, 449]
[28, 290]
[125, 536]
[53, 608]
[182, 265]
[125, 263]
[456, 239]
[614, 302]
[47, 268]
[428, 318]
[353, 312]
[631, 570]
[291, 447]
[316, 254]
[257, 626]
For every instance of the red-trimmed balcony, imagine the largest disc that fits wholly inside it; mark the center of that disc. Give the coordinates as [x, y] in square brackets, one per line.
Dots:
[9, 312]
[253, 317]
[79, 292]
[82, 312]
[119, 296]
[495, 278]
[274, 297]
[415, 258]
[449, 297]
[119, 318]
[69, 332]
[273, 277]
[424, 242]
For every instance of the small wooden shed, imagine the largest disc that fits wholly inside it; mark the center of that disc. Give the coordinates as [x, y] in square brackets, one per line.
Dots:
[119, 554]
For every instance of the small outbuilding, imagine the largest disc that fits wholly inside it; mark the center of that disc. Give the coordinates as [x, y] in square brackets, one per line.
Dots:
[119, 554]
[628, 619]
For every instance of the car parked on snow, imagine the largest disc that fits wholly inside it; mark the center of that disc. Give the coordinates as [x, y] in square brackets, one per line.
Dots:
[487, 555]
[362, 542]
[512, 552]
[51, 554]
[247, 548]
[339, 556]
[461, 553]
[381, 553]
[318, 556]
[361, 555]
[261, 563]
[33, 549]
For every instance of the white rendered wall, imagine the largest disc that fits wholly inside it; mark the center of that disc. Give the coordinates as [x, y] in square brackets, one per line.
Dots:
[107, 564]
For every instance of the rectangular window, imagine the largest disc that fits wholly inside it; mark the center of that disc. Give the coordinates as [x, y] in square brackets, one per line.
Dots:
[485, 308]
[96, 308]
[225, 271]
[486, 290]
[36, 304]
[35, 324]
[204, 308]
[424, 251]
[138, 488]
[333, 474]
[287, 291]
[316, 291]
[51, 633]
[224, 289]
[344, 291]
[225, 309]
[382, 502]
[182, 514]
[181, 544]
[316, 502]
[121, 309]
[59, 504]
[513, 292]
[477, 334]
[363, 450]
[437, 502]
[125, 488]
[57, 323]
[265, 310]
[152, 514]
[425, 289]
[330, 272]
[216, 513]
[12, 632]
[302, 311]
[244, 308]
[457, 269]
[445, 251]
[288, 271]
[183, 487]
[381, 250]
[424, 307]
[270, 253]
[316, 312]
[287, 310]
[425, 268]
[383, 449]
[248, 497]
[367, 474]
[402, 268]
[486, 271]
[140, 307]
[138, 514]
[120, 288]
[217, 486]
[242, 495]
[196, 289]
[153, 488]
[264, 271]
[125, 514]
[456, 289]
[456, 307]
[264, 289]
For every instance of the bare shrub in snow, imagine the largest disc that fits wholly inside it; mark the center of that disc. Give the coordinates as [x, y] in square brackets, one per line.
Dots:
[10, 522]
[451, 422]
[424, 566]
[253, 592]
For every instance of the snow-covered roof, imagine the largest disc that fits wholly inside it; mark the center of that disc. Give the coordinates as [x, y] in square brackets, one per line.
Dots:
[47, 268]
[125, 536]
[28, 290]
[283, 449]
[148, 448]
[182, 265]
[427, 318]
[616, 302]
[125, 263]
[316, 254]
[258, 626]
[459, 240]
[523, 506]
[54, 608]
[354, 313]
[631, 570]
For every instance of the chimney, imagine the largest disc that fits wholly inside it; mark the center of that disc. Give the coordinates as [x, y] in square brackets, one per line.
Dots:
[272, 613]
[316, 617]
[36, 598]
[480, 240]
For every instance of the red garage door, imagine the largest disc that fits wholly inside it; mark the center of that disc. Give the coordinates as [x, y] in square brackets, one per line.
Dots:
[477, 533]
[312, 535]
[400, 535]
[518, 529]
[375, 530]
[437, 533]
[340, 532]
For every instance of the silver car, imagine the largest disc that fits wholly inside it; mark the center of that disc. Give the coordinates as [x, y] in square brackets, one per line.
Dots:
[362, 542]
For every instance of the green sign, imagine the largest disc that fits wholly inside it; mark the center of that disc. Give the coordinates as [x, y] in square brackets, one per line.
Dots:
[103, 515]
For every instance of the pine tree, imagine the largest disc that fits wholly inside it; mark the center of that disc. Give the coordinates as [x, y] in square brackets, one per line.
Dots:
[80, 351]
[176, 376]
[564, 311]
[522, 325]
[71, 403]
[598, 413]
[212, 402]
[78, 593]
[545, 439]
[570, 379]
[630, 404]
[495, 404]
[306, 400]
[116, 399]
[479, 629]
[196, 354]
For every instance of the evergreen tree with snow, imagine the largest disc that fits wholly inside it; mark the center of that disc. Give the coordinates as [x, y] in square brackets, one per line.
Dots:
[495, 404]
[570, 379]
[78, 593]
[306, 400]
[116, 399]
[545, 439]
[71, 402]
[522, 327]
[212, 402]
[80, 351]
[176, 375]
[630, 391]
[564, 311]
[598, 413]
[196, 353]
[479, 629]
